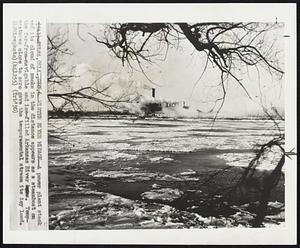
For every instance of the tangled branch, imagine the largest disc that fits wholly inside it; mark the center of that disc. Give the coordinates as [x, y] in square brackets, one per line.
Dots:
[227, 46]
[61, 94]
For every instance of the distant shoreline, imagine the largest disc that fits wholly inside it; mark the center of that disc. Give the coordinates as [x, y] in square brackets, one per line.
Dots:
[119, 115]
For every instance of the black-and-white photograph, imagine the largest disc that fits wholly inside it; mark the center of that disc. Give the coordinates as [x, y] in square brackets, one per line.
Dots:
[166, 125]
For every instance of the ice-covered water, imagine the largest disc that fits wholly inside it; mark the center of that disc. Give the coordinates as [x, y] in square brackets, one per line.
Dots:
[125, 139]
[127, 157]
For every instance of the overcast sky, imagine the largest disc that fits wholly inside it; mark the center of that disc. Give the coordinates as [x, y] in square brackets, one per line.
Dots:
[174, 78]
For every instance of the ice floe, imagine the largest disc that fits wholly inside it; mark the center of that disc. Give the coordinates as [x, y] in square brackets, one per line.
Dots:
[164, 194]
[156, 186]
[124, 175]
[267, 162]
[97, 210]
[136, 175]
[156, 159]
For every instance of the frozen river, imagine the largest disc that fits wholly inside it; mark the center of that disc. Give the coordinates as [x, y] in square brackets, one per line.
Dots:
[148, 164]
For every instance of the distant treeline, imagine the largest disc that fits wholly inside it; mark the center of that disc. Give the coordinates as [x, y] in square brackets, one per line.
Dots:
[148, 112]
[71, 114]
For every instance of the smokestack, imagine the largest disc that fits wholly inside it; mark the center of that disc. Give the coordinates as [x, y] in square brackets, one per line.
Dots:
[153, 92]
